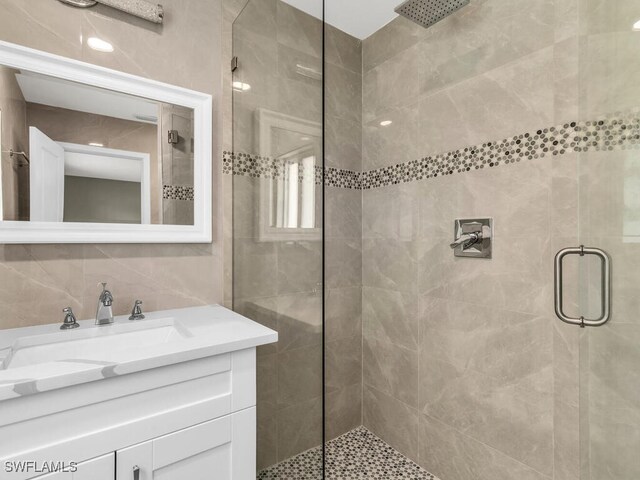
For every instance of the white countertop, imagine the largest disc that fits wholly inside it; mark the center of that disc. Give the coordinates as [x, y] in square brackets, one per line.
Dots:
[210, 330]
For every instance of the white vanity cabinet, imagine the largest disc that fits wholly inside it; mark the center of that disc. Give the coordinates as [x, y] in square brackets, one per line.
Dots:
[101, 468]
[183, 407]
[221, 449]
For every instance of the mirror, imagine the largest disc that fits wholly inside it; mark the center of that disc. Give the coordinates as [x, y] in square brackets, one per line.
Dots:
[291, 200]
[89, 153]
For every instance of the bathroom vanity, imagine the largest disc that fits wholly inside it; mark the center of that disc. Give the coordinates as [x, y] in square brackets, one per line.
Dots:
[169, 397]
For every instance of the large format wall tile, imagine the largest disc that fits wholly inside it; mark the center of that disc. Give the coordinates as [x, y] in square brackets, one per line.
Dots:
[390, 213]
[343, 93]
[516, 97]
[343, 363]
[343, 410]
[297, 29]
[388, 144]
[390, 264]
[481, 37]
[391, 369]
[391, 316]
[343, 312]
[389, 41]
[299, 428]
[393, 421]
[343, 208]
[393, 83]
[511, 347]
[501, 413]
[451, 454]
[343, 50]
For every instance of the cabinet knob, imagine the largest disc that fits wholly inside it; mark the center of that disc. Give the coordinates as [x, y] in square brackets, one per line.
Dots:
[136, 473]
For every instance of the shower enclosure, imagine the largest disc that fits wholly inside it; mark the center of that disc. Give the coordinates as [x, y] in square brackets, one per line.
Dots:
[352, 160]
[278, 219]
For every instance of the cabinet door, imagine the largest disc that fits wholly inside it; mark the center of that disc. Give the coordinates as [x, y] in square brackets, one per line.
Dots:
[222, 449]
[100, 468]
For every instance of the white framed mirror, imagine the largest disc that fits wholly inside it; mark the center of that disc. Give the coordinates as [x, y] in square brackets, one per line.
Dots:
[93, 155]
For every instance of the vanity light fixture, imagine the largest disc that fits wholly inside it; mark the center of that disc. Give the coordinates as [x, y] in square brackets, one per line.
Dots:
[241, 86]
[99, 45]
[385, 123]
[636, 26]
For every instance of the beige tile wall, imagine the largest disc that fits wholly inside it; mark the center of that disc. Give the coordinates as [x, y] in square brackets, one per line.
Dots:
[465, 368]
[37, 281]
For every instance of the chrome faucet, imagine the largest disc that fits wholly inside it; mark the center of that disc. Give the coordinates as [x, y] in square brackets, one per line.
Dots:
[136, 312]
[104, 314]
[70, 321]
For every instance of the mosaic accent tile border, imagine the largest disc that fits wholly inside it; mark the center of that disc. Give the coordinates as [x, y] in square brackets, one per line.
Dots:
[619, 132]
[177, 192]
[265, 167]
[600, 135]
[356, 455]
[337, 177]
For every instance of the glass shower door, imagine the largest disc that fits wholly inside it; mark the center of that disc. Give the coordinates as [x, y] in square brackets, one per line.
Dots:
[277, 225]
[609, 218]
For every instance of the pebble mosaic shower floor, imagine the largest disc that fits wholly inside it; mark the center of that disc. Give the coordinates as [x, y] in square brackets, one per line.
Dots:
[356, 455]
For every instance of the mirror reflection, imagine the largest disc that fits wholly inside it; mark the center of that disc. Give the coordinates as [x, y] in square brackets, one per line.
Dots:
[78, 153]
[290, 199]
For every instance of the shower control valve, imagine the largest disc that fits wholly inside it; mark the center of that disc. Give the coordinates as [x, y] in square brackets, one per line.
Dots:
[472, 238]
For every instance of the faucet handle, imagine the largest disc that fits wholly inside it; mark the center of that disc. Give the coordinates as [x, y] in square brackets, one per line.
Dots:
[69, 320]
[136, 312]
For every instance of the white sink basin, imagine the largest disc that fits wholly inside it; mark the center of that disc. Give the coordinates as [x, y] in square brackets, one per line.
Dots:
[104, 344]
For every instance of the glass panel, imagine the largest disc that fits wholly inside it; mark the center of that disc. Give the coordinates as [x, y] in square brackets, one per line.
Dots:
[609, 219]
[278, 213]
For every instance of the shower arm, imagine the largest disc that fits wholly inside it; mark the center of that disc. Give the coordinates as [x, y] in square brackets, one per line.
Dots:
[139, 8]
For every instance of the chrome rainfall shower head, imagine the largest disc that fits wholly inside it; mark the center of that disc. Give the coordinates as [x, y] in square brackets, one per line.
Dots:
[429, 12]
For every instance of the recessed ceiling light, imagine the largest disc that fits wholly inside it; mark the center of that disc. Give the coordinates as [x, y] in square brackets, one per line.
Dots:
[95, 144]
[99, 44]
[241, 87]
[386, 123]
[636, 26]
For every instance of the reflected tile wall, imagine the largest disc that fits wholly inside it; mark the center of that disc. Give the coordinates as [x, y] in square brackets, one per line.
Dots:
[42, 279]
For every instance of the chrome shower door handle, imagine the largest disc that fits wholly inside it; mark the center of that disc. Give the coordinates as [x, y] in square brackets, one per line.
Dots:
[605, 282]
